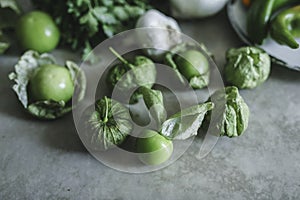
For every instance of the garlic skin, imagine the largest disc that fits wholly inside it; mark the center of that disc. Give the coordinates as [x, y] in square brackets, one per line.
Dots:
[195, 8]
[165, 33]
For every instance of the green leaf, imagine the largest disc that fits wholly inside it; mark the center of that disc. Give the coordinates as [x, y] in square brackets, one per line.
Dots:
[135, 97]
[130, 76]
[154, 102]
[79, 2]
[134, 11]
[170, 61]
[186, 123]
[144, 71]
[99, 11]
[198, 82]
[102, 14]
[24, 69]
[91, 21]
[109, 30]
[232, 113]
[88, 54]
[48, 109]
[121, 13]
[78, 78]
[107, 3]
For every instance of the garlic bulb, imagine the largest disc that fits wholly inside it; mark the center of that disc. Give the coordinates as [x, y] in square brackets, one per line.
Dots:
[165, 33]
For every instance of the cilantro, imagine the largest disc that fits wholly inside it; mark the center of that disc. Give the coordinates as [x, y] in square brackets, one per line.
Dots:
[85, 23]
[8, 16]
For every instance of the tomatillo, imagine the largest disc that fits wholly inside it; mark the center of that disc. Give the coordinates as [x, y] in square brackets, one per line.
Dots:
[37, 31]
[51, 82]
[192, 63]
[154, 149]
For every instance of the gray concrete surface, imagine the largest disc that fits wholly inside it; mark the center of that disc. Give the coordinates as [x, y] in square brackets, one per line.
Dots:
[46, 160]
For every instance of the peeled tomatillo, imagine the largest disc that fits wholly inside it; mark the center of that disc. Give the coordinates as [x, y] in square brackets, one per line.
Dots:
[192, 63]
[154, 149]
[37, 31]
[51, 82]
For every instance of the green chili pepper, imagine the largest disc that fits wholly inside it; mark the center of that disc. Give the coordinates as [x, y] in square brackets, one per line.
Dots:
[278, 4]
[259, 15]
[286, 26]
[257, 19]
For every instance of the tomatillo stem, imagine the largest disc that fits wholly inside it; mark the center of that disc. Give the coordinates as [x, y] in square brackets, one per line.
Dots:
[106, 110]
[120, 58]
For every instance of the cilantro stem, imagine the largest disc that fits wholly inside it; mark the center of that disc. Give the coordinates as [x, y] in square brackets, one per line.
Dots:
[120, 57]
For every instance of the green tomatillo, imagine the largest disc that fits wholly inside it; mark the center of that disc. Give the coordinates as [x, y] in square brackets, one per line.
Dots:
[37, 31]
[126, 76]
[44, 87]
[192, 63]
[106, 124]
[247, 67]
[231, 113]
[51, 82]
[153, 148]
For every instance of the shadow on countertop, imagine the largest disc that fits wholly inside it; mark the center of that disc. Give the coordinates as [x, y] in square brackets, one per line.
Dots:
[62, 134]
[285, 74]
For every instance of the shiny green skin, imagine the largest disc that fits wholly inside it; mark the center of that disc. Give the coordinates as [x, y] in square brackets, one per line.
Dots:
[278, 4]
[259, 15]
[51, 82]
[286, 26]
[153, 148]
[192, 63]
[37, 31]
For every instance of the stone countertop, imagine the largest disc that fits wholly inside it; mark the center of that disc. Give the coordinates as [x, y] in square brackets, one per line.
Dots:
[46, 160]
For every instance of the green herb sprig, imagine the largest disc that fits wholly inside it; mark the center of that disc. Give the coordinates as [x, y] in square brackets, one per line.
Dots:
[85, 23]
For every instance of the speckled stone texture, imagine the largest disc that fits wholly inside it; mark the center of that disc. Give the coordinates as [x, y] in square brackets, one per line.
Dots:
[46, 160]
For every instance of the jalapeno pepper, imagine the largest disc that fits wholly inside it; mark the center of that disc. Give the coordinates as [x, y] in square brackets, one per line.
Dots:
[286, 26]
[259, 15]
[257, 19]
[278, 4]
